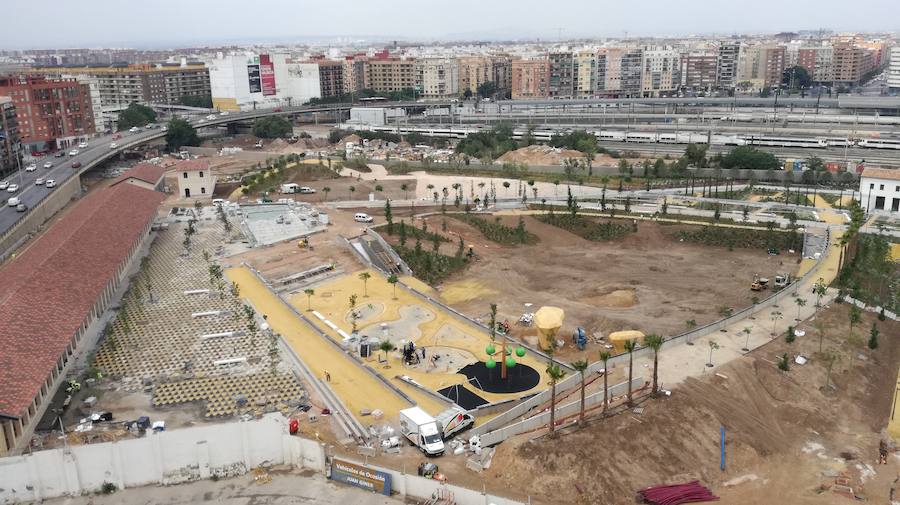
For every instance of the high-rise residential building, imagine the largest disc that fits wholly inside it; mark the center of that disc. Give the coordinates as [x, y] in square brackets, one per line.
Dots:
[609, 71]
[817, 60]
[530, 78]
[501, 74]
[331, 77]
[437, 78]
[585, 73]
[562, 74]
[761, 65]
[10, 150]
[893, 73]
[660, 72]
[851, 63]
[699, 71]
[355, 73]
[245, 81]
[120, 85]
[51, 113]
[387, 74]
[727, 65]
[632, 71]
[474, 71]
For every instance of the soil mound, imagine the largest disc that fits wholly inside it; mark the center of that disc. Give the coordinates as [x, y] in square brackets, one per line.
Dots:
[613, 298]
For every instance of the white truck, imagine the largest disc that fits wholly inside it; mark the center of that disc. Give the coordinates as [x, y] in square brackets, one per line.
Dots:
[422, 430]
[290, 188]
[454, 420]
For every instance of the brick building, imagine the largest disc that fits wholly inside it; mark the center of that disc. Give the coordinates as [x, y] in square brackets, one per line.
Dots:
[530, 78]
[51, 113]
[10, 150]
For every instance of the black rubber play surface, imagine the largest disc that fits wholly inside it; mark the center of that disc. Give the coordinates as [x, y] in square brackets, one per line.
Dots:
[463, 397]
[518, 378]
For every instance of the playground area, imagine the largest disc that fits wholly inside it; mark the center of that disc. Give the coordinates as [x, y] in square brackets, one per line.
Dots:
[647, 281]
[433, 348]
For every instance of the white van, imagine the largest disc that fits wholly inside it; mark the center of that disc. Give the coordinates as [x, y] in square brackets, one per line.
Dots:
[218, 201]
[12, 202]
[361, 217]
[306, 190]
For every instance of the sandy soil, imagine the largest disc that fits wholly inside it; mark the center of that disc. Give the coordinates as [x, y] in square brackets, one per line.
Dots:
[647, 281]
[786, 435]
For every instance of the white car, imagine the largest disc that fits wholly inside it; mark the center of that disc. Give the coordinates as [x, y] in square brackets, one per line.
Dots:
[48, 164]
[113, 145]
[4, 185]
[12, 188]
[211, 116]
[12, 202]
[306, 190]
[223, 113]
[82, 145]
[165, 128]
[73, 152]
[31, 168]
[50, 183]
[361, 217]
[133, 129]
[39, 181]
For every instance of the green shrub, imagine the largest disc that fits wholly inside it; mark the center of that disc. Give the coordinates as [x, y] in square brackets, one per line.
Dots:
[741, 237]
[497, 232]
[587, 228]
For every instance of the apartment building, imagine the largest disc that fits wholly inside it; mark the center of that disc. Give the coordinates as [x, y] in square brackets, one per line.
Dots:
[608, 81]
[699, 71]
[893, 72]
[632, 71]
[530, 78]
[331, 77]
[818, 61]
[562, 74]
[761, 65]
[851, 63]
[585, 73]
[387, 74]
[727, 65]
[50, 113]
[437, 78]
[501, 74]
[355, 73]
[660, 72]
[10, 150]
[473, 72]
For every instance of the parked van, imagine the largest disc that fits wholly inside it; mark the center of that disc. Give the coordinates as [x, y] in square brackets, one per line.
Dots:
[361, 217]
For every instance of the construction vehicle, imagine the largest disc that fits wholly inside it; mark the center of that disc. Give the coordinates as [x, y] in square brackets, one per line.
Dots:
[759, 283]
[782, 280]
[454, 420]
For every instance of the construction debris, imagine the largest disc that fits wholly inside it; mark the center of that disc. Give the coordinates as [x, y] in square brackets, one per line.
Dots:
[675, 494]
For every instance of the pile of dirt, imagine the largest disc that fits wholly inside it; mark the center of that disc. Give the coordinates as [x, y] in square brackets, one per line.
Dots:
[613, 297]
[348, 139]
[539, 155]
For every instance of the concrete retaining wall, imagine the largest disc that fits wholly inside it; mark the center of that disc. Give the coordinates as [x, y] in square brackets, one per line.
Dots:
[168, 457]
[36, 216]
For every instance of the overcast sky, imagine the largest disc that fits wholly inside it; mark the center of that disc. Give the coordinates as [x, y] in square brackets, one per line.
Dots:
[171, 23]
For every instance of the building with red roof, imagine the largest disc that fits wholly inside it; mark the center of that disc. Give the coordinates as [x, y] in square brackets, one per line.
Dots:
[195, 179]
[145, 175]
[55, 290]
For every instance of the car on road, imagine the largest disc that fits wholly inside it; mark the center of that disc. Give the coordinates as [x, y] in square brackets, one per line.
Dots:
[361, 217]
[113, 145]
[39, 181]
[77, 164]
[83, 145]
[117, 136]
[12, 188]
[12, 202]
[165, 128]
[31, 168]
[59, 154]
[211, 117]
[306, 190]
[21, 207]
[4, 185]
[51, 183]
[48, 164]
[150, 126]
[73, 152]
[133, 129]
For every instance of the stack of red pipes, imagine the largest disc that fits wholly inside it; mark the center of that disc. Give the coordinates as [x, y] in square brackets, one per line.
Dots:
[675, 494]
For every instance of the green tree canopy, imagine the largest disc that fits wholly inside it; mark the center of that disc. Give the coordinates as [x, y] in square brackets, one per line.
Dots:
[578, 140]
[272, 127]
[490, 144]
[136, 115]
[796, 77]
[487, 89]
[180, 134]
[749, 157]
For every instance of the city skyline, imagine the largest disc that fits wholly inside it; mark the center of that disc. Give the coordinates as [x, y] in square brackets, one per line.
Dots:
[103, 23]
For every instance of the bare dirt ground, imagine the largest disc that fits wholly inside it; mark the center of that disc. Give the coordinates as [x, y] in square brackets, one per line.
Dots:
[788, 438]
[647, 281]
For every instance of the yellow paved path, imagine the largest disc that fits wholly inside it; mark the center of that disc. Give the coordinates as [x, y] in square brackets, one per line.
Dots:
[356, 388]
[331, 299]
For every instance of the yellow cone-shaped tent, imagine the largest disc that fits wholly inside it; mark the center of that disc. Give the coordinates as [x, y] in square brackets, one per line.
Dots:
[548, 321]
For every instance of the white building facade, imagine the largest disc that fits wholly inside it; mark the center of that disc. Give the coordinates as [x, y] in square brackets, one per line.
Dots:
[438, 77]
[879, 190]
[893, 73]
[246, 81]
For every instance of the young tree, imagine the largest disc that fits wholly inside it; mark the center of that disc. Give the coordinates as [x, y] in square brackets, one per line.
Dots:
[604, 357]
[630, 346]
[556, 373]
[654, 342]
[775, 316]
[494, 321]
[325, 192]
[801, 302]
[405, 188]
[819, 289]
[386, 346]
[873, 337]
[389, 216]
[309, 294]
[829, 358]
[393, 280]
[351, 189]
[580, 366]
[746, 331]
[402, 233]
[713, 345]
[854, 316]
[365, 276]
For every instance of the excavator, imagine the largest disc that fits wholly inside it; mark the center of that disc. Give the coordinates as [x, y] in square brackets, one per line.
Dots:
[759, 283]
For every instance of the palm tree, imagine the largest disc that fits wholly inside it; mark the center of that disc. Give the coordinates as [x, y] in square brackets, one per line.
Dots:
[365, 276]
[713, 345]
[581, 365]
[392, 280]
[746, 331]
[309, 293]
[800, 304]
[604, 357]
[776, 315]
[556, 374]
[386, 346]
[405, 188]
[819, 289]
[325, 192]
[654, 342]
[352, 190]
[630, 346]
[493, 320]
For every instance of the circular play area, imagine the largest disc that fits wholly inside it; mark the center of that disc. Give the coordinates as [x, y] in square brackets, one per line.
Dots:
[518, 378]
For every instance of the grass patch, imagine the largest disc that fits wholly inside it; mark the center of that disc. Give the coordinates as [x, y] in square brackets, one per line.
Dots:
[588, 229]
[743, 238]
[497, 232]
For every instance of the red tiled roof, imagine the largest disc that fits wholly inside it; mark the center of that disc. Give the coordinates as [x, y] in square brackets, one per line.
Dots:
[190, 165]
[146, 172]
[48, 290]
[882, 173]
